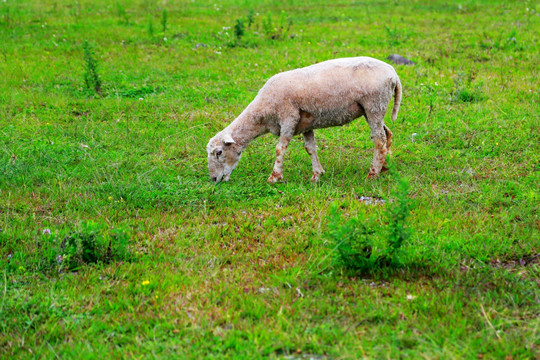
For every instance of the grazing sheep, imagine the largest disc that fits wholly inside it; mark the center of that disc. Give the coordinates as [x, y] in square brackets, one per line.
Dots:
[331, 93]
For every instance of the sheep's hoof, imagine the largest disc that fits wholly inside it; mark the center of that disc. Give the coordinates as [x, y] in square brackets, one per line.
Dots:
[316, 176]
[274, 178]
[372, 174]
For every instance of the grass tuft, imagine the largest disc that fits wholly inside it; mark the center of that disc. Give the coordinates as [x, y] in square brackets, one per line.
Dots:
[164, 16]
[121, 13]
[150, 27]
[91, 77]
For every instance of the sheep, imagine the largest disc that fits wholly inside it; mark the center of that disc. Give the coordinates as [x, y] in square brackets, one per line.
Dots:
[330, 93]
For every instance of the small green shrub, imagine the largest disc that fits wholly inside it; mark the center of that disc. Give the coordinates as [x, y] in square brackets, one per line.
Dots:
[91, 76]
[361, 244]
[247, 33]
[267, 24]
[150, 27]
[239, 29]
[91, 244]
[398, 231]
[397, 36]
[234, 38]
[468, 95]
[164, 20]
[250, 18]
[431, 94]
[278, 31]
[464, 91]
[352, 241]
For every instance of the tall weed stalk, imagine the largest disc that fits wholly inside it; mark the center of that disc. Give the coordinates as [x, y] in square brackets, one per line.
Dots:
[164, 20]
[91, 76]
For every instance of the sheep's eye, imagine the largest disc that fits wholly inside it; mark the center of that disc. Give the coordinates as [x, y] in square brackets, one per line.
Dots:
[219, 152]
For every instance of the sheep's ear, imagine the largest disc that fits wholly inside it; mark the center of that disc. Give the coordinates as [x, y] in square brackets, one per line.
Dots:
[228, 140]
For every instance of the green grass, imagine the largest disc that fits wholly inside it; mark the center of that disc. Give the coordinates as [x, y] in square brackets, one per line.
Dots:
[243, 269]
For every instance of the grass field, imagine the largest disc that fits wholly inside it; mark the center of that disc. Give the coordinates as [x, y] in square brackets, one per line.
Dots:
[114, 243]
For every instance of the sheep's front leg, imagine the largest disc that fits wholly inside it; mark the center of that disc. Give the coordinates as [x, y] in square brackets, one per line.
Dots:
[311, 148]
[277, 173]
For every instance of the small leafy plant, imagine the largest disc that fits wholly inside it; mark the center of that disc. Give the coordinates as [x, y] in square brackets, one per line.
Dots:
[239, 29]
[91, 244]
[164, 20]
[398, 231]
[150, 27]
[464, 91]
[396, 36]
[361, 244]
[91, 76]
[247, 32]
[250, 18]
[352, 240]
[278, 31]
[267, 24]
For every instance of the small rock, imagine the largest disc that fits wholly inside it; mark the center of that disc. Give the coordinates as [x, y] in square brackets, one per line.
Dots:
[368, 200]
[400, 60]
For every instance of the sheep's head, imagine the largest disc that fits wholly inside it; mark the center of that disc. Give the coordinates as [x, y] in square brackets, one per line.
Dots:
[223, 156]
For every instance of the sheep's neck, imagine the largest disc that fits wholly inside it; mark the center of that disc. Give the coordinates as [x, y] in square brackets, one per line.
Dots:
[245, 129]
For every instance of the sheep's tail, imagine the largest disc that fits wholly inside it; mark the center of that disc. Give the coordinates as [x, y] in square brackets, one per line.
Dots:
[397, 99]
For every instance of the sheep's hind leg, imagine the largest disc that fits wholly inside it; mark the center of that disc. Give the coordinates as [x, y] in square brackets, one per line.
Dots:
[311, 148]
[389, 136]
[378, 135]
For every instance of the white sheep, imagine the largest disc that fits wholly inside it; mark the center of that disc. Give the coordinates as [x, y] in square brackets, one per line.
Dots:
[331, 93]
